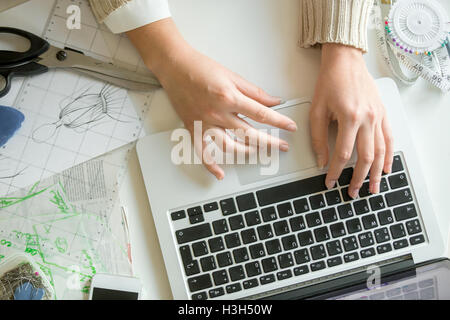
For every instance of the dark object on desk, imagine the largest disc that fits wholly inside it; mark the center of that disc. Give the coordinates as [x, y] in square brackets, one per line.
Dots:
[10, 121]
[41, 56]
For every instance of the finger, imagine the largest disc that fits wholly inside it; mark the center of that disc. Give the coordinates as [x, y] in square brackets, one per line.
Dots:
[200, 149]
[256, 137]
[262, 114]
[319, 134]
[343, 150]
[255, 93]
[389, 141]
[229, 145]
[365, 147]
[377, 166]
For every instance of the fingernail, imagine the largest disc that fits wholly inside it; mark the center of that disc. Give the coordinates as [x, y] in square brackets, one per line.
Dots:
[353, 193]
[292, 127]
[284, 147]
[330, 184]
[282, 101]
[320, 162]
[375, 188]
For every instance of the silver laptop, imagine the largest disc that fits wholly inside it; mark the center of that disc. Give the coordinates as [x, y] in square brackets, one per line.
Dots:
[285, 236]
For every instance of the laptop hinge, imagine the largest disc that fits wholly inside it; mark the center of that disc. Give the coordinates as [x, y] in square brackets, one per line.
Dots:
[331, 285]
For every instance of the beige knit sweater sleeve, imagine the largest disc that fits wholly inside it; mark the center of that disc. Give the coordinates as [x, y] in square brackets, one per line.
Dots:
[103, 8]
[334, 21]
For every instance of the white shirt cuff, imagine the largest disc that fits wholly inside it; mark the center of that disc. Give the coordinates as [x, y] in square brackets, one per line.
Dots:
[137, 13]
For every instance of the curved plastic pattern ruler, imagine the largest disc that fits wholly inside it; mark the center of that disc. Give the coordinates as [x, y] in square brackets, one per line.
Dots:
[415, 34]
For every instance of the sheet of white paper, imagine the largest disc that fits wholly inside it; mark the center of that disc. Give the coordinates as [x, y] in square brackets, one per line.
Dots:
[71, 118]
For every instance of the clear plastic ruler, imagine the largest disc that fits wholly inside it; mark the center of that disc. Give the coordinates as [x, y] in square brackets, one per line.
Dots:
[414, 35]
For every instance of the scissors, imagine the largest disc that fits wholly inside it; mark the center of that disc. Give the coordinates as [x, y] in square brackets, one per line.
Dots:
[41, 56]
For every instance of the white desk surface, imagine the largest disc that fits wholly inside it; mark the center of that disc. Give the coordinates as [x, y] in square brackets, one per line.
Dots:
[258, 40]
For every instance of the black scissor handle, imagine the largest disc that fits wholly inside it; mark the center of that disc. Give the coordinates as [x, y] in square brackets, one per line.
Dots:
[37, 47]
[6, 74]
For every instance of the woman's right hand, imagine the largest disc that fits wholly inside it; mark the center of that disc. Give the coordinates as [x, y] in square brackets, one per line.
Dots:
[200, 89]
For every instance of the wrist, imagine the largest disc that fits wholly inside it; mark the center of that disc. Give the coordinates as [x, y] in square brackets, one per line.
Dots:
[332, 52]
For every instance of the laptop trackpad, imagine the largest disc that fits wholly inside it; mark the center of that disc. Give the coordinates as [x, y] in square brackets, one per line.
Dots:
[300, 156]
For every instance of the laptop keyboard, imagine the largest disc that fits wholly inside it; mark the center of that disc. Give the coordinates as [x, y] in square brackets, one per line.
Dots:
[253, 239]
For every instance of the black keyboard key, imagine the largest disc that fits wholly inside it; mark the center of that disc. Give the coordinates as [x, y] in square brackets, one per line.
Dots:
[241, 255]
[269, 214]
[269, 264]
[333, 197]
[345, 211]
[353, 225]
[350, 243]
[383, 248]
[200, 248]
[413, 227]
[199, 283]
[397, 231]
[208, 263]
[196, 219]
[297, 223]
[335, 261]
[416, 239]
[337, 230]
[302, 256]
[345, 196]
[236, 273]
[232, 288]
[224, 259]
[398, 197]
[236, 222]
[185, 253]
[200, 296]
[301, 206]
[334, 248]
[305, 238]
[364, 191]
[291, 190]
[227, 206]
[377, 203]
[273, 246]
[398, 181]
[350, 257]
[329, 215]
[220, 277]
[321, 234]
[397, 164]
[405, 212]
[253, 269]
[252, 218]
[382, 235]
[313, 219]
[346, 177]
[266, 279]
[289, 243]
[285, 274]
[366, 239]
[367, 253]
[178, 215]
[385, 217]
[265, 232]
[285, 210]
[285, 260]
[232, 240]
[369, 222]
[316, 266]
[281, 227]
[191, 267]
[317, 201]
[248, 236]
[399, 244]
[318, 252]
[193, 233]
[383, 185]
[216, 292]
[298, 271]
[246, 202]
[361, 206]
[252, 283]
[213, 206]
[194, 211]
[257, 251]
[220, 226]
[216, 244]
